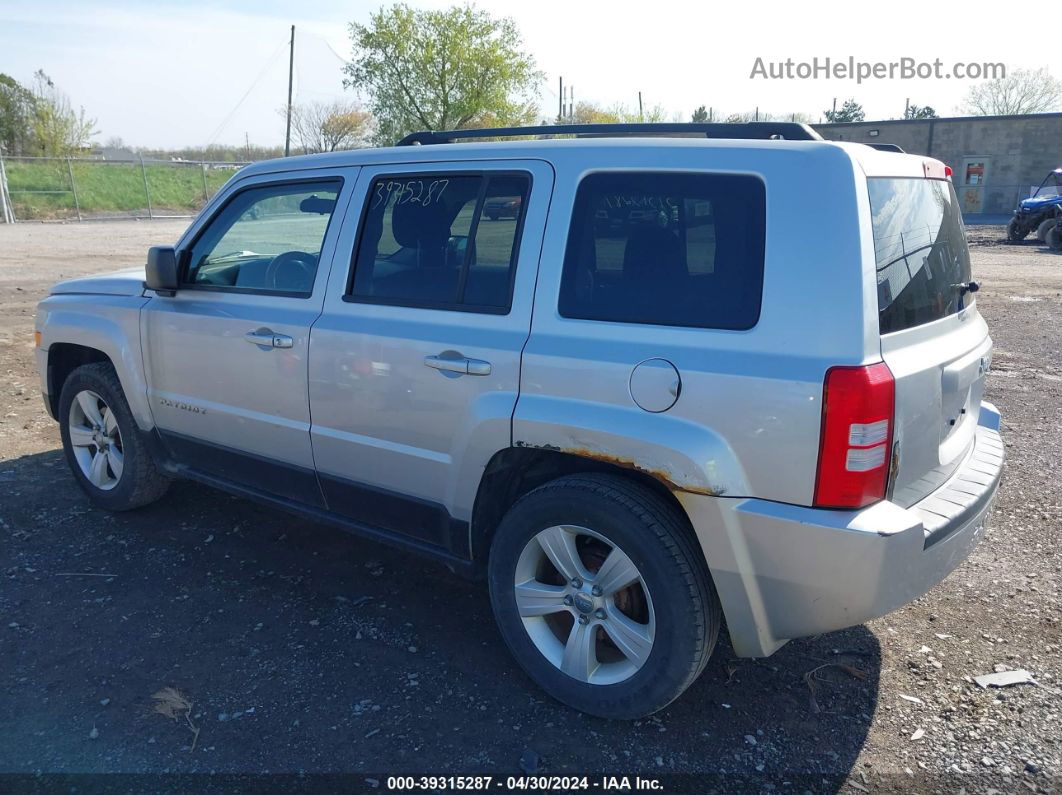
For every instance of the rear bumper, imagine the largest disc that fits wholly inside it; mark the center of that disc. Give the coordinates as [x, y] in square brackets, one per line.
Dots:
[785, 571]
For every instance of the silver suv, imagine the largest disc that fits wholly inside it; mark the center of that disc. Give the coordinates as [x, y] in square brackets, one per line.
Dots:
[677, 379]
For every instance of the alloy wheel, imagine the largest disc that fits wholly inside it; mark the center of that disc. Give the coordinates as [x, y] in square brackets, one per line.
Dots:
[584, 604]
[96, 440]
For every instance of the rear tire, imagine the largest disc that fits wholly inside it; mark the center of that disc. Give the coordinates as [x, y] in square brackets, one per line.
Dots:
[1044, 228]
[102, 443]
[1054, 238]
[641, 604]
[1015, 231]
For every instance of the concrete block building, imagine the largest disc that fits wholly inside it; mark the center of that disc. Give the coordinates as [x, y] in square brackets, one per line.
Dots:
[996, 159]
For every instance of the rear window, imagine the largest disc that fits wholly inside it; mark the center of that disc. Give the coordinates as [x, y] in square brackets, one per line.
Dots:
[920, 249]
[666, 249]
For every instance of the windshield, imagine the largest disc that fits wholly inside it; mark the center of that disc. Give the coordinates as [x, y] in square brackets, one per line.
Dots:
[1052, 186]
[920, 250]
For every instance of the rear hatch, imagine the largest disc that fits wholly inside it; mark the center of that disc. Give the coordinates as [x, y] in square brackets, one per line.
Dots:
[932, 338]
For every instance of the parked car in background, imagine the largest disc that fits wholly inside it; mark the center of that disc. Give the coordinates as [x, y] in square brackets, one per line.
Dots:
[697, 378]
[502, 207]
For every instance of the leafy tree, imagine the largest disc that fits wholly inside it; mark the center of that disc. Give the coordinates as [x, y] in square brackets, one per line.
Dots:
[850, 111]
[441, 70]
[923, 112]
[330, 126]
[592, 113]
[16, 116]
[700, 115]
[58, 130]
[1022, 91]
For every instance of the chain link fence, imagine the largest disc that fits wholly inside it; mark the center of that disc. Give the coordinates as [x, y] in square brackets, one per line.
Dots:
[82, 189]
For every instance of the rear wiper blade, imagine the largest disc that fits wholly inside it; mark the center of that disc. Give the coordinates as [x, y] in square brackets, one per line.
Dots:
[967, 287]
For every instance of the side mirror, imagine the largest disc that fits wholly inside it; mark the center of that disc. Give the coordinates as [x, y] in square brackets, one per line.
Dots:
[160, 274]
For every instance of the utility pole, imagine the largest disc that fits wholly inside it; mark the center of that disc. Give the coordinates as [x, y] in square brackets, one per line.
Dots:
[906, 107]
[560, 99]
[571, 104]
[291, 75]
[641, 116]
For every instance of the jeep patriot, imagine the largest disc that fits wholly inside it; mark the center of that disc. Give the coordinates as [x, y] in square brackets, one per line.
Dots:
[640, 379]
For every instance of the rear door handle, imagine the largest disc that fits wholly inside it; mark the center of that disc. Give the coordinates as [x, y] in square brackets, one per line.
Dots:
[268, 339]
[461, 366]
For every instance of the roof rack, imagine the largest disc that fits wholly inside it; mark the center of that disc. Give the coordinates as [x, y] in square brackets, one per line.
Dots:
[759, 130]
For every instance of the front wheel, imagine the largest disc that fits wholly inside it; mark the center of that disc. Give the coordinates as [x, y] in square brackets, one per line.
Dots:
[1016, 232]
[1045, 227]
[603, 596]
[102, 444]
[1054, 238]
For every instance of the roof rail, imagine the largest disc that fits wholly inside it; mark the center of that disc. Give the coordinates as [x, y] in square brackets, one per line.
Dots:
[760, 130]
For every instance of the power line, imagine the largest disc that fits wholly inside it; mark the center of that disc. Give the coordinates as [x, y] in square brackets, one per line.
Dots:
[247, 93]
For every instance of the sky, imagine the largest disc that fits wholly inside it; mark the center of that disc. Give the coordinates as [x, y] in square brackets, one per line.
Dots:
[166, 75]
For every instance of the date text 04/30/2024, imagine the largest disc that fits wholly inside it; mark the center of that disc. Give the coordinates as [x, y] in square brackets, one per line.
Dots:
[524, 783]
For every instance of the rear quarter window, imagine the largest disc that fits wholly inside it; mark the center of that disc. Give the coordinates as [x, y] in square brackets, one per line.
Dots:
[666, 249]
[920, 251]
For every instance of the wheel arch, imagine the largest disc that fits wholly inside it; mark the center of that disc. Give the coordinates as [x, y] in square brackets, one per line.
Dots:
[514, 471]
[76, 331]
[63, 359]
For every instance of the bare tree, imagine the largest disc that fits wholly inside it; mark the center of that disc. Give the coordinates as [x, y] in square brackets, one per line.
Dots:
[330, 126]
[1022, 91]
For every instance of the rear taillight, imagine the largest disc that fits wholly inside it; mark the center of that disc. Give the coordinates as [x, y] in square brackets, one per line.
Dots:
[857, 418]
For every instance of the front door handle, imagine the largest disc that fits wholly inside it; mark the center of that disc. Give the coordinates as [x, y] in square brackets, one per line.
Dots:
[268, 339]
[460, 366]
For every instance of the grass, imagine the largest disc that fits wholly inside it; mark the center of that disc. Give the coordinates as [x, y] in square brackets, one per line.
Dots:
[106, 189]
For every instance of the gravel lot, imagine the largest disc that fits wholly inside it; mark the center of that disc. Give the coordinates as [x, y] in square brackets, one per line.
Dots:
[303, 649]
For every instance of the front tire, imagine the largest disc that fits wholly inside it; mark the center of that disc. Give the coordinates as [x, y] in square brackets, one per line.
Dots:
[101, 441]
[1016, 232]
[1054, 238]
[603, 596]
[1045, 227]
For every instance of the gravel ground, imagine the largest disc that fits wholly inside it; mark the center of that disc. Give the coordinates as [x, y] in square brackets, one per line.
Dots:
[302, 649]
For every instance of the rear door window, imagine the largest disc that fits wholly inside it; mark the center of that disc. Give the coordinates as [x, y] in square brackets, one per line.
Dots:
[666, 249]
[920, 251]
[445, 241]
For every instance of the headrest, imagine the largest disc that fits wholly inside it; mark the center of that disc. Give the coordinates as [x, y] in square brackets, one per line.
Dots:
[653, 251]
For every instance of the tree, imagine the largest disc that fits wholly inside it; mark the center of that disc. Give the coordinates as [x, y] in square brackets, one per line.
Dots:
[920, 112]
[58, 130]
[329, 126]
[700, 115]
[592, 113]
[16, 116]
[441, 70]
[766, 115]
[850, 111]
[1022, 91]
